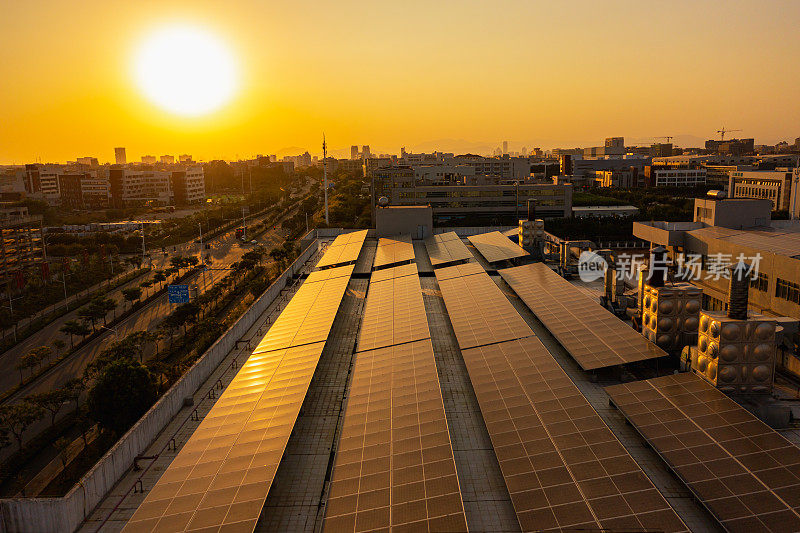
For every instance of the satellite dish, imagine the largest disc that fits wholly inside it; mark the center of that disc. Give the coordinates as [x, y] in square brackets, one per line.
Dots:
[383, 201]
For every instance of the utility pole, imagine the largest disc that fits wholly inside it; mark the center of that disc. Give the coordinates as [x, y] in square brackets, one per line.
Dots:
[144, 249]
[201, 255]
[244, 225]
[325, 176]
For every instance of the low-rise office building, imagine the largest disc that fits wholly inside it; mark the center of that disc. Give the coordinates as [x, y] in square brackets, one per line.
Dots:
[625, 179]
[722, 232]
[674, 177]
[780, 187]
[20, 243]
[477, 203]
[188, 186]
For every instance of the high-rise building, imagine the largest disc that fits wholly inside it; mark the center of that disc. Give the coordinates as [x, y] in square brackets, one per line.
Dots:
[119, 156]
[185, 158]
[354, 152]
[188, 186]
[167, 159]
[149, 159]
[365, 153]
[505, 147]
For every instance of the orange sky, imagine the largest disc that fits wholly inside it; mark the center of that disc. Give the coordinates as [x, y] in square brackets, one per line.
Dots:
[402, 73]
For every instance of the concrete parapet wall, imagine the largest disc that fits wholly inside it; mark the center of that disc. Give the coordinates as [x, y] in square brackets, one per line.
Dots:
[42, 515]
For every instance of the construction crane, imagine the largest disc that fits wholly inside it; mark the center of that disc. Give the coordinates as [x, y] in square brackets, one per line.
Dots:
[723, 131]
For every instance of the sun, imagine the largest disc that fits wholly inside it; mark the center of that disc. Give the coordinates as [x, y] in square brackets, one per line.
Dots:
[185, 70]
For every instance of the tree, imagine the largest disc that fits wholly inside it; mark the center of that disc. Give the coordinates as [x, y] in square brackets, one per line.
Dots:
[102, 306]
[73, 390]
[89, 313]
[61, 444]
[158, 276]
[132, 294]
[26, 361]
[51, 401]
[59, 345]
[138, 341]
[123, 392]
[177, 262]
[71, 327]
[185, 314]
[192, 261]
[42, 353]
[146, 285]
[17, 417]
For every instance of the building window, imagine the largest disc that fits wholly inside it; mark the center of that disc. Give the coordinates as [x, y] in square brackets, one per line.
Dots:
[788, 291]
[761, 283]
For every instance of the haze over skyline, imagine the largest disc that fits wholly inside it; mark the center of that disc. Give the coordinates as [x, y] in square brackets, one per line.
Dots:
[402, 74]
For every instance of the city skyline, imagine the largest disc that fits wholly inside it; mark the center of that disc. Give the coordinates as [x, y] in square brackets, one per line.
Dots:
[536, 74]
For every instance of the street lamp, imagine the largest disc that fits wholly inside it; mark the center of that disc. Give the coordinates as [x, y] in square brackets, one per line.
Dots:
[112, 328]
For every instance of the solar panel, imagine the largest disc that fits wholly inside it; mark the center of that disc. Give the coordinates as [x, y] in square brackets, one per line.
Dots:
[330, 273]
[448, 236]
[394, 467]
[393, 250]
[495, 246]
[221, 477]
[479, 311]
[308, 316]
[563, 467]
[744, 472]
[592, 335]
[446, 248]
[344, 249]
[394, 272]
[393, 313]
[459, 271]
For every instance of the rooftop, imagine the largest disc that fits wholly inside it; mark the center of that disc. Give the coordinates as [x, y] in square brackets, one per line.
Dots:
[434, 399]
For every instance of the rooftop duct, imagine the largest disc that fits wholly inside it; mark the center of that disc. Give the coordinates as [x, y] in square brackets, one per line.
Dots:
[738, 291]
[658, 267]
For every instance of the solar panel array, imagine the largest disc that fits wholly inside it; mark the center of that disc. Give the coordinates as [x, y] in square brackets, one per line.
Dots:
[394, 272]
[592, 335]
[478, 309]
[744, 472]
[459, 271]
[330, 273]
[394, 467]
[344, 249]
[308, 316]
[446, 248]
[563, 467]
[495, 246]
[392, 250]
[394, 313]
[222, 475]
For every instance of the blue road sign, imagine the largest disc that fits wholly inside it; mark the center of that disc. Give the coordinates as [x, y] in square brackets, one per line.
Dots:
[178, 294]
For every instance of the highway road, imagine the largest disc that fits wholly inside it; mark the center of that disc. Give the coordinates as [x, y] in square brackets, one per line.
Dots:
[224, 252]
